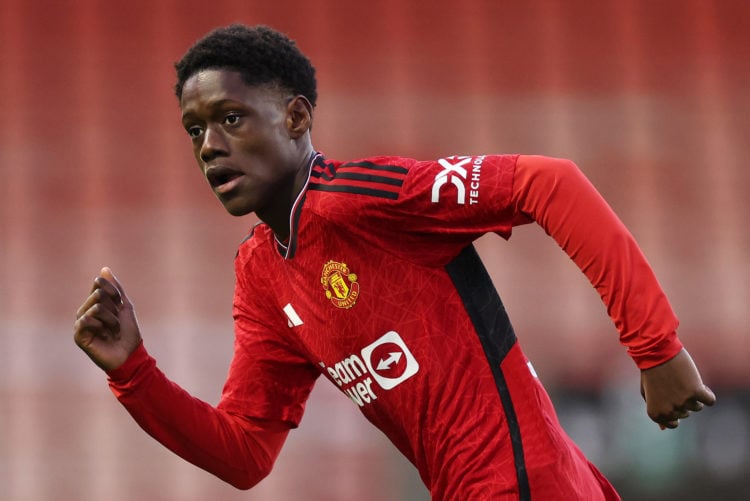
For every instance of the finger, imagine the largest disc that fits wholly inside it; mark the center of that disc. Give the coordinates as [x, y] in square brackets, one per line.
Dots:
[108, 287]
[98, 296]
[90, 301]
[706, 396]
[669, 419]
[670, 424]
[109, 319]
[694, 405]
[86, 328]
[683, 414]
[107, 273]
[87, 323]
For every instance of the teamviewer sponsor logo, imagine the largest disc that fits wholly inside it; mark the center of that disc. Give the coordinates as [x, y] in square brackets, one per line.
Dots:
[386, 362]
[389, 360]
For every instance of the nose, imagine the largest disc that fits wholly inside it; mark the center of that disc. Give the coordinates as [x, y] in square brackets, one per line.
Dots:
[214, 144]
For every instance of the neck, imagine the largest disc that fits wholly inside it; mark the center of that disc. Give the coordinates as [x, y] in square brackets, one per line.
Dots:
[279, 220]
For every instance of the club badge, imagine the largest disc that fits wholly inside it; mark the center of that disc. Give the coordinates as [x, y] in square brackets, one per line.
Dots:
[340, 285]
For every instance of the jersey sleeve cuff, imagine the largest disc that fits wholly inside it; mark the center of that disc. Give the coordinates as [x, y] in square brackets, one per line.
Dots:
[662, 352]
[126, 376]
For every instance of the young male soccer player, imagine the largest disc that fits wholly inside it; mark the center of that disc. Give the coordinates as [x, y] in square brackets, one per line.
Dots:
[364, 272]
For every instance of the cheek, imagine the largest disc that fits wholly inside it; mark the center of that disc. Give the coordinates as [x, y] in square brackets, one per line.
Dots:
[271, 151]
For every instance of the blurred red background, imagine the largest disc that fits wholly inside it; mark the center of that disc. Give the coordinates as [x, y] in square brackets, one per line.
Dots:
[649, 98]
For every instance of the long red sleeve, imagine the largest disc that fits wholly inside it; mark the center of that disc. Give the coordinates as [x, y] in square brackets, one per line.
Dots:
[557, 195]
[236, 449]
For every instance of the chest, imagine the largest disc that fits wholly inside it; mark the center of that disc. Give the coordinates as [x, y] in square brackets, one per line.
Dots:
[339, 292]
[361, 313]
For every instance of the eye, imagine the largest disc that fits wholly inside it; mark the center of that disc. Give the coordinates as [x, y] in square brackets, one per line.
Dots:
[232, 119]
[194, 131]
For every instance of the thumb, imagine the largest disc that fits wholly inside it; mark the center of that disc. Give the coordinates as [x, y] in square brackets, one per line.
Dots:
[106, 272]
[706, 396]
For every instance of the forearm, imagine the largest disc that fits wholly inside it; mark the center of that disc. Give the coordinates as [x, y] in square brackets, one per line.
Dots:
[237, 450]
[556, 195]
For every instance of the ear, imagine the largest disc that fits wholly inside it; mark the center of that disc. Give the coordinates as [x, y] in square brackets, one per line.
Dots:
[298, 116]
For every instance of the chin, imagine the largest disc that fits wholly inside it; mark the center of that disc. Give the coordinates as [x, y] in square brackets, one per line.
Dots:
[237, 210]
[236, 206]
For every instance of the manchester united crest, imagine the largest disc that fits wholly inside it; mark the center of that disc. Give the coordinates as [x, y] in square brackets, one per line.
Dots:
[340, 284]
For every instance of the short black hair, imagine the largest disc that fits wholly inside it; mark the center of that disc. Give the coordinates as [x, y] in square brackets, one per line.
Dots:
[260, 54]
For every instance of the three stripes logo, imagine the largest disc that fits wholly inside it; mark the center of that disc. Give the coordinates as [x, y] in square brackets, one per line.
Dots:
[360, 178]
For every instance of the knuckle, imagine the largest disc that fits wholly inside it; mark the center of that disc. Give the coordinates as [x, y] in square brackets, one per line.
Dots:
[85, 323]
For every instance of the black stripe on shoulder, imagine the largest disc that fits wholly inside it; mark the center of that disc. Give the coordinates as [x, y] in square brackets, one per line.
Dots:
[491, 322]
[328, 176]
[370, 178]
[370, 165]
[356, 190]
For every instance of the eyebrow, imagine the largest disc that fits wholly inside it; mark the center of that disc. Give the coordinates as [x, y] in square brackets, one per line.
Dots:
[212, 105]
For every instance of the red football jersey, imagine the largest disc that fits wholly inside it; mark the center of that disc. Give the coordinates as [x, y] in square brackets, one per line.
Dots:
[380, 290]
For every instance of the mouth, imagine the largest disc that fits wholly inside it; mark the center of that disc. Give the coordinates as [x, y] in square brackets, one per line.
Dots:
[223, 179]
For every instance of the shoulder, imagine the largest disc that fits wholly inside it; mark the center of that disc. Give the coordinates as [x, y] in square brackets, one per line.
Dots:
[377, 177]
[391, 182]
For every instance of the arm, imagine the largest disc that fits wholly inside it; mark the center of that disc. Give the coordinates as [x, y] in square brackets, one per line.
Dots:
[556, 195]
[237, 449]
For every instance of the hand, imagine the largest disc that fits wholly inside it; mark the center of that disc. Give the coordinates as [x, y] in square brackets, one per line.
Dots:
[106, 328]
[673, 390]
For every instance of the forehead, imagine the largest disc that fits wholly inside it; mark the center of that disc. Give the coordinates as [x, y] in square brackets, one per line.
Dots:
[208, 87]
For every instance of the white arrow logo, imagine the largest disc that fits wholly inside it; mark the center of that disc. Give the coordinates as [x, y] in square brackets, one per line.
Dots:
[389, 359]
[385, 364]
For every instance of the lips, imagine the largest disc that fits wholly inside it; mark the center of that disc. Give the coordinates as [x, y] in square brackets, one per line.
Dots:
[222, 179]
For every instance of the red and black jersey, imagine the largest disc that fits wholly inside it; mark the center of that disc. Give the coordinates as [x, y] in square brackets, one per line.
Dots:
[380, 290]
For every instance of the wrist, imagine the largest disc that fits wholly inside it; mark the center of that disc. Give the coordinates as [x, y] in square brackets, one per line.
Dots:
[128, 369]
[663, 351]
